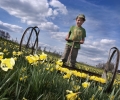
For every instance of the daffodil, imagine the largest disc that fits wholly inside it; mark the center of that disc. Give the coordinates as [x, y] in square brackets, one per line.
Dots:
[111, 97]
[19, 53]
[72, 96]
[7, 63]
[59, 62]
[14, 53]
[100, 88]
[50, 69]
[93, 77]
[32, 59]
[7, 53]
[23, 78]
[1, 55]
[24, 98]
[64, 70]
[5, 50]
[36, 57]
[86, 84]
[68, 91]
[43, 56]
[116, 82]
[68, 75]
[23, 69]
[83, 75]
[74, 71]
[47, 68]
[76, 87]
[57, 67]
[102, 80]
[93, 97]
[15, 58]
[4, 43]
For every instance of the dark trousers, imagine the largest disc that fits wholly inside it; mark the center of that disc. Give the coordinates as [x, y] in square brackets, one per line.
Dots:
[73, 55]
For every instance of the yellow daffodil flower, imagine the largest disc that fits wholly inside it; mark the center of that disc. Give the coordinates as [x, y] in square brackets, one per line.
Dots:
[57, 67]
[59, 62]
[76, 87]
[111, 97]
[68, 75]
[72, 96]
[19, 53]
[7, 63]
[93, 77]
[64, 70]
[68, 91]
[31, 59]
[36, 57]
[24, 98]
[23, 78]
[1, 55]
[43, 56]
[47, 68]
[100, 88]
[93, 97]
[15, 58]
[23, 69]
[14, 53]
[86, 84]
[51, 69]
[102, 80]
[5, 50]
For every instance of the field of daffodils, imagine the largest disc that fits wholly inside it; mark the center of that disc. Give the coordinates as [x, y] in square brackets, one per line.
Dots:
[41, 77]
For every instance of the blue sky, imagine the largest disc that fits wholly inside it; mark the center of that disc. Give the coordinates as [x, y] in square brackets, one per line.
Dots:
[55, 17]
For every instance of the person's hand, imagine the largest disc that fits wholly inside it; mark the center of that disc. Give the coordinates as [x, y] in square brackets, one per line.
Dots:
[81, 42]
[66, 39]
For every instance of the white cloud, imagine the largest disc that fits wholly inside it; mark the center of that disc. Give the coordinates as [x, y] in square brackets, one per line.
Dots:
[59, 35]
[10, 27]
[96, 51]
[59, 6]
[96, 59]
[107, 41]
[50, 12]
[49, 26]
[49, 47]
[55, 12]
[35, 12]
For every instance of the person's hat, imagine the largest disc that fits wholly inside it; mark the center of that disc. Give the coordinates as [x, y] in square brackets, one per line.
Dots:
[81, 16]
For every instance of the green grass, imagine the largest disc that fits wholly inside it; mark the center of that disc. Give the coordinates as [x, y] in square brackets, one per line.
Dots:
[35, 82]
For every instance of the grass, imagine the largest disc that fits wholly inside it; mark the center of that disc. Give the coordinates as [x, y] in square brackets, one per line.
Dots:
[43, 81]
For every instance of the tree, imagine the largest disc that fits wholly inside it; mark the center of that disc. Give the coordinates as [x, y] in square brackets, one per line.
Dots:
[7, 35]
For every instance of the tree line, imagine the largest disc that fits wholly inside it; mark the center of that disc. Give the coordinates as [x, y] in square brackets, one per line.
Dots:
[4, 34]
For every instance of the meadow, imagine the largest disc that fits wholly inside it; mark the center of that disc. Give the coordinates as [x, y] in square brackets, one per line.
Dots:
[24, 76]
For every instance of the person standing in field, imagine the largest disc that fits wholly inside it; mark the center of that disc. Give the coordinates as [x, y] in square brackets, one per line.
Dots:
[76, 33]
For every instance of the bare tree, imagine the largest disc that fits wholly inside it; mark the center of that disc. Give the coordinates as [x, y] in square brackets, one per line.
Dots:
[109, 67]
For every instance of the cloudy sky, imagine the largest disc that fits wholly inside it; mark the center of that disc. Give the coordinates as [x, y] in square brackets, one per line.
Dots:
[54, 19]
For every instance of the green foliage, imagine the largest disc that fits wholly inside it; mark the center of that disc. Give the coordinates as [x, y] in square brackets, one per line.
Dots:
[35, 82]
